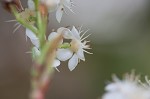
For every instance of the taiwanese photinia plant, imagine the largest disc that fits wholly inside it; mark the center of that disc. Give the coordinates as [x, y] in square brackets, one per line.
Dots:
[65, 44]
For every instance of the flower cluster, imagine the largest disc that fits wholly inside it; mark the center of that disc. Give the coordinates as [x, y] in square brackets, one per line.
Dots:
[128, 88]
[72, 51]
[65, 44]
[73, 44]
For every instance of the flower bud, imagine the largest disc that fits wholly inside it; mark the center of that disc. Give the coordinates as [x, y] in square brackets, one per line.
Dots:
[51, 4]
[43, 10]
[16, 3]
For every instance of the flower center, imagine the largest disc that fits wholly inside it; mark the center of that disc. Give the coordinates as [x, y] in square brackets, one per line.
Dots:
[28, 15]
[75, 44]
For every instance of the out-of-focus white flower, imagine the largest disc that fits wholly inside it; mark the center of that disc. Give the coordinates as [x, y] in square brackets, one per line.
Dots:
[61, 8]
[128, 88]
[76, 52]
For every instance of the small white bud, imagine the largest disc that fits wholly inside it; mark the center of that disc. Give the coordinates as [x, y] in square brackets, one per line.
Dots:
[51, 4]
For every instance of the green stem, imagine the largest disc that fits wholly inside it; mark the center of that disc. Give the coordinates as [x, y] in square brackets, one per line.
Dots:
[36, 2]
[26, 25]
[42, 26]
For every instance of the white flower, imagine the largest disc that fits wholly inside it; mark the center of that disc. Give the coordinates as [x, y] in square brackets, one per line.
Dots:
[58, 5]
[129, 88]
[35, 41]
[76, 52]
[61, 8]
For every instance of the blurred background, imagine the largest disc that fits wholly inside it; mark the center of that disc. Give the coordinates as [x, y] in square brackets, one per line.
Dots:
[120, 40]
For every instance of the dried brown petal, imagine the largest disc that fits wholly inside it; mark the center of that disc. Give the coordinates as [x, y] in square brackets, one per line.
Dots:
[8, 3]
[43, 9]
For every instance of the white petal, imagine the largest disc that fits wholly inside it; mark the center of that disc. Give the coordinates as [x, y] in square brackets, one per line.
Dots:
[35, 51]
[56, 63]
[59, 13]
[114, 95]
[80, 54]
[67, 3]
[75, 33]
[33, 38]
[112, 87]
[30, 34]
[64, 54]
[52, 36]
[66, 32]
[31, 5]
[35, 42]
[73, 62]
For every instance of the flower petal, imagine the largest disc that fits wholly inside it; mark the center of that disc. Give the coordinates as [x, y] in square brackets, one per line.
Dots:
[30, 34]
[64, 54]
[67, 3]
[56, 63]
[112, 87]
[35, 42]
[33, 38]
[59, 13]
[75, 33]
[31, 5]
[80, 54]
[52, 36]
[35, 51]
[115, 95]
[73, 62]
[66, 32]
